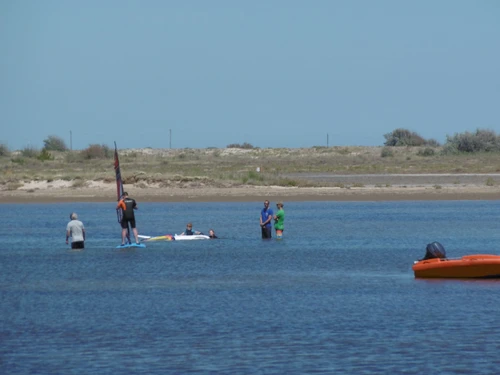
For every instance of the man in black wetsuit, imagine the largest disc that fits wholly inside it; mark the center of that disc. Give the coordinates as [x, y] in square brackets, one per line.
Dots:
[128, 205]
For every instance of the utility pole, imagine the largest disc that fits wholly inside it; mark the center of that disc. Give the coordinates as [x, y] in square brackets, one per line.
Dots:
[170, 145]
[70, 140]
[326, 139]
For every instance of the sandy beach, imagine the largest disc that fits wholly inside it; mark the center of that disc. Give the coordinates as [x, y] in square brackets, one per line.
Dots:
[98, 191]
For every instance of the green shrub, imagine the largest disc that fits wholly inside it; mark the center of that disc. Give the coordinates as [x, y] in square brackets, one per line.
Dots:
[18, 160]
[386, 152]
[45, 155]
[403, 137]
[432, 143]
[480, 141]
[244, 145]
[30, 152]
[426, 152]
[95, 151]
[54, 143]
[4, 150]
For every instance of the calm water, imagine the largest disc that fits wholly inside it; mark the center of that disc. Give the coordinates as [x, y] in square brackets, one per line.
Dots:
[336, 296]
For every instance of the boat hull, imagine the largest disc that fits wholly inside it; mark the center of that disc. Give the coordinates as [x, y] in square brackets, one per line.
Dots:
[479, 266]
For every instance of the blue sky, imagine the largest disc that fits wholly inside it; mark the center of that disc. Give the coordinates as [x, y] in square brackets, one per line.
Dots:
[275, 73]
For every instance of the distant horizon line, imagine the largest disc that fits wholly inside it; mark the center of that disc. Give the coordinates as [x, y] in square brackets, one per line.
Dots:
[216, 148]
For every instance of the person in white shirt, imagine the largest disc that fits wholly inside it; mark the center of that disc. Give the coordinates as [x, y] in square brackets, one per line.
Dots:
[76, 231]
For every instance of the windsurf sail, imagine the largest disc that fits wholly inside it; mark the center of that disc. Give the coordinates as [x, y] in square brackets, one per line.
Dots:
[119, 190]
[166, 237]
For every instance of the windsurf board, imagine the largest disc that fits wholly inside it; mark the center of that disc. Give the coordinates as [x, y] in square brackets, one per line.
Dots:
[179, 237]
[141, 245]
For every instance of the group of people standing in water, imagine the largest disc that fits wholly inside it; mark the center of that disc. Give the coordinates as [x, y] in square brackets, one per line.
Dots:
[76, 230]
[267, 217]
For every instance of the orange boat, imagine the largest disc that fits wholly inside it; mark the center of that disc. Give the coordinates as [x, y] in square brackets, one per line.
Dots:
[479, 266]
[436, 265]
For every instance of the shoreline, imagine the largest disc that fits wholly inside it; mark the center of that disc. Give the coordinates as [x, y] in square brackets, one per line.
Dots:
[107, 193]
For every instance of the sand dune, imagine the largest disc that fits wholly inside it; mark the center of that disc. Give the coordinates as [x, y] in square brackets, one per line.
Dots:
[99, 191]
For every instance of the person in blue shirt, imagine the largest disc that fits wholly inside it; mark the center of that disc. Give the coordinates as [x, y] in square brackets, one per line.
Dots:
[266, 215]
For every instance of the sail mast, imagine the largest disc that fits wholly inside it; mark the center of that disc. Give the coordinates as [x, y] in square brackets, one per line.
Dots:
[119, 190]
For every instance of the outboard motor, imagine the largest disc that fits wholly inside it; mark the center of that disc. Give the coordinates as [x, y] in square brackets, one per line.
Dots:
[434, 250]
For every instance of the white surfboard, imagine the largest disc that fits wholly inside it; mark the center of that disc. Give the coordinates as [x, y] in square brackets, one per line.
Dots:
[176, 237]
[180, 237]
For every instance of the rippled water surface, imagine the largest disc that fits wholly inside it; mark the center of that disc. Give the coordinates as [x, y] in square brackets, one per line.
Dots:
[336, 295]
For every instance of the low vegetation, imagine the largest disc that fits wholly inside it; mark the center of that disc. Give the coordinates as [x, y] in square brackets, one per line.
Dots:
[245, 164]
[404, 137]
[30, 152]
[4, 150]
[237, 145]
[96, 151]
[479, 141]
[54, 143]
[230, 166]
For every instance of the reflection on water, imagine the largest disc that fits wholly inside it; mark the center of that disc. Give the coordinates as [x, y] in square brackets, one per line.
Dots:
[337, 295]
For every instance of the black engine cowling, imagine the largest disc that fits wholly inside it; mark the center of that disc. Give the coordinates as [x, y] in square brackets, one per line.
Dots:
[434, 250]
